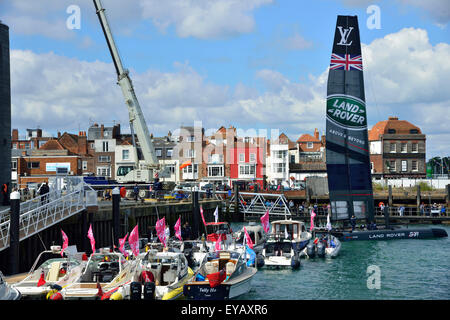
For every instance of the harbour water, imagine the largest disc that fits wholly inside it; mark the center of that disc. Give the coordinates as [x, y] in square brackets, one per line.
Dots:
[408, 269]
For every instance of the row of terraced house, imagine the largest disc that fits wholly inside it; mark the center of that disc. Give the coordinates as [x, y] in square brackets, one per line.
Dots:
[223, 156]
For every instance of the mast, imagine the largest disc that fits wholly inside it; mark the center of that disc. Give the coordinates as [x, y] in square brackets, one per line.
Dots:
[137, 120]
[347, 147]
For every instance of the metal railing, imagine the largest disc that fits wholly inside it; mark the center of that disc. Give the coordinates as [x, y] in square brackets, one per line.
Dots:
[260, 203]
[46, 210]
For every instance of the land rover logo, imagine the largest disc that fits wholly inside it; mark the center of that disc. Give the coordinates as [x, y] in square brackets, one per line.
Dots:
[347, 111]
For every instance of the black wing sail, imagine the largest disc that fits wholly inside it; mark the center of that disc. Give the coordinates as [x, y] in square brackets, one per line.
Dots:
[347, 147]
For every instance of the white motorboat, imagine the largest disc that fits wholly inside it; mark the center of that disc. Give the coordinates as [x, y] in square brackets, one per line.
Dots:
[285, 244]
[325, 246]
[160, 275]
[53, 273]
[8, 292]
[104, 273]
[222, 275]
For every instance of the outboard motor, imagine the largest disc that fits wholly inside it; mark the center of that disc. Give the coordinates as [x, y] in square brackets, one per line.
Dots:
[135, 291]
[259, 260]
[295, 261]
[311, 250]
[320, 250]
[149, 291]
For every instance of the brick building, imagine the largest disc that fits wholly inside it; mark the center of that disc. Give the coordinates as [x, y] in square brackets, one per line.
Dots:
[397, 150]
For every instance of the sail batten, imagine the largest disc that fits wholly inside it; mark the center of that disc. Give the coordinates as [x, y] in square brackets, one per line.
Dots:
[347, 147]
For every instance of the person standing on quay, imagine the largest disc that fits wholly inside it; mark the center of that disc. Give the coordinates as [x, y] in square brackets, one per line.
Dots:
[43, 191]
[353, 222]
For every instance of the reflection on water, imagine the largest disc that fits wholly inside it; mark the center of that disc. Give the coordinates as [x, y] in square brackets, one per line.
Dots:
[410, 269]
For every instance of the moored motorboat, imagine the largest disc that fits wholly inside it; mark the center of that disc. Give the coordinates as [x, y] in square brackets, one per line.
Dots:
[160, 275]
[104, 273]
[52, 274]
[222, 275]
[279, 253]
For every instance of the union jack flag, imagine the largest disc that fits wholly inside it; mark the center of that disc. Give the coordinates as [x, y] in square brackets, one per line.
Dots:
[346, 62]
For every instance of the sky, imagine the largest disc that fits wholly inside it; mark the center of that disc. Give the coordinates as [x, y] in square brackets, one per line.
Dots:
[258, 65]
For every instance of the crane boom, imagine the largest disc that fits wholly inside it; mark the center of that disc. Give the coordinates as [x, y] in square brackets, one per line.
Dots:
[137, 120]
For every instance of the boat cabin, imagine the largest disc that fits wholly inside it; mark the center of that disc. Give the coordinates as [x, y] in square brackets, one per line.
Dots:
[217, 261]
[294, 229]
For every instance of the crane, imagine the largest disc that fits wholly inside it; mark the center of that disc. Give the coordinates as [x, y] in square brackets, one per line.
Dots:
[141, 171]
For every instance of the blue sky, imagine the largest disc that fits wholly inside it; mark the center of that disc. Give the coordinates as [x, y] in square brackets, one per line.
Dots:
[260, 64]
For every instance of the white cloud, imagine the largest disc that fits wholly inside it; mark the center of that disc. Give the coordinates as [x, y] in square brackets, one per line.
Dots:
[203, 18]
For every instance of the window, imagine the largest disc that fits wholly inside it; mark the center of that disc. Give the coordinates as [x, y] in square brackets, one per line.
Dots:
[125, 154]
[169, 152]
[122, 171]
[392, 131]
[190, 153]
[104, 171]
[413, 131]
[309, 145]
[14, 165]
[104, 158]
[215, 171]
[85, 165]
[279, 154]
[171, 168]
[14, 145]
[292, 158]
[33, 165]
[391, 165]
[248, 169]
[414, 147]
[252, 157]
[393, 147]
[191, 139]
[414, 165]
[158, 152]
[189, 168]
[279, 167]
[404, 165]
[403, 147]
[241, 157]
[105, 146]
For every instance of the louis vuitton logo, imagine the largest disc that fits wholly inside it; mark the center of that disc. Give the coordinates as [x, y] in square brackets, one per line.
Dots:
[345, 33]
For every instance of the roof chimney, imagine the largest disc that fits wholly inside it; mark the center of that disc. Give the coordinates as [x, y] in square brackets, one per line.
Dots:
[393, 118]
[316, 133]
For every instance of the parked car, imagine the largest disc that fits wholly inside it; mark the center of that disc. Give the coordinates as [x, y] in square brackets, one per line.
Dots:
[208, 186]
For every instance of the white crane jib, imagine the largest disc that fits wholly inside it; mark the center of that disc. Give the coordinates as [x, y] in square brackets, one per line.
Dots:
[137, 121]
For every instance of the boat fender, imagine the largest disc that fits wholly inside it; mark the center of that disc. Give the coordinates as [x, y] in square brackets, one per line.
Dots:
[50, 293]
[311, 250]
[149, 291]
[116, 296]
[136, 290]
[56, 296]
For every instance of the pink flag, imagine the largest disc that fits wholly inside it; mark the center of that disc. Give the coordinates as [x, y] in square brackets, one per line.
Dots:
[160, 230]
[313, 214]
[248, 239]
[265, 221]
[217, 247]
[133, 240]
[203, 218]
[122, 244]
[90, 235]
[65, 242]
[177, 229]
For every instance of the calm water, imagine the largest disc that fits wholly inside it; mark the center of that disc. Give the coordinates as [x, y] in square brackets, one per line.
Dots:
[409, 269]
